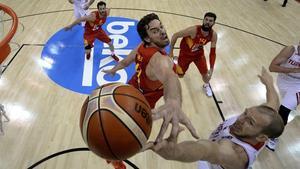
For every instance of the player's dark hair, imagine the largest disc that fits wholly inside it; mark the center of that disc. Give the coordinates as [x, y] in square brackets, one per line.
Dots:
[210, 14]
[100, 4]
[142, 25]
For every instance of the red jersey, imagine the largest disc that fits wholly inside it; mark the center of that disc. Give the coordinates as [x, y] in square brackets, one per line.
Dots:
[196, 44]
[143, 56]
[152, 90]
[92, 27]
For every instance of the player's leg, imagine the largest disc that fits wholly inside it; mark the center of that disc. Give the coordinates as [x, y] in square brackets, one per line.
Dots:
[184, 61]
[200, 62]
[88, 44]
[289, 102]
[117, 164]
[102, 36]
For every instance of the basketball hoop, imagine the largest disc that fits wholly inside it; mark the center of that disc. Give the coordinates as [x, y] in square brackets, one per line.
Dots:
[5, 51]
[4, 43]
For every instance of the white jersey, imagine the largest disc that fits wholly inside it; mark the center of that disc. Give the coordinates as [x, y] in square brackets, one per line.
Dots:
[289, 83]
[222, 132]
[292, 62]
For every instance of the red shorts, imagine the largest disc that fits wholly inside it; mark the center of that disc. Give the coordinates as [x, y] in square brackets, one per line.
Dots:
[152, 97]
[89, 38]
[186, 58]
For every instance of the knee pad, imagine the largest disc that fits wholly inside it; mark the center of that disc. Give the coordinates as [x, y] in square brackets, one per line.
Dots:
[284, 113]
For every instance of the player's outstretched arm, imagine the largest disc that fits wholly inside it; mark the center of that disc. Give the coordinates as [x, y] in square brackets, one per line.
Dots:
[90, 17]
[282, 57]
[224, 152]
[212, 53]
[160, 68]
[272, 96]
[123, 63]
[190, 31]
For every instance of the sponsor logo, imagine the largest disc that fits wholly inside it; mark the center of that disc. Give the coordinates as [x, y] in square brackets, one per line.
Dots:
[63, 57]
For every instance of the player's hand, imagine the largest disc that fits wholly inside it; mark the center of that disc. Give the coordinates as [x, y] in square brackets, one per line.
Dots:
[109, 71]
[67, 28]
[71, 1]
[165, 148]
[171, 113]
[265, 77]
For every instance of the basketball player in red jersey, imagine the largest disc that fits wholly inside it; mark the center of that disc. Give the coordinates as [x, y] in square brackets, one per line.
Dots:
[154, 75]
[191, 48]
[93, 30]
[236, 142]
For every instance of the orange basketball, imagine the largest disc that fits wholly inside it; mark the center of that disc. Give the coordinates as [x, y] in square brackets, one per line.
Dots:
[115, 121]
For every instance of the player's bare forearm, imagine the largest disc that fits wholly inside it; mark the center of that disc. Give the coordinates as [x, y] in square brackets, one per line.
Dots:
[160, 68]
[190, 151]
[121, 65]
[69, 27]
[172, 88]
[272, 96]
[280, 69]
[77, 21]
[282, 57]
[173, 41]
[127, 61]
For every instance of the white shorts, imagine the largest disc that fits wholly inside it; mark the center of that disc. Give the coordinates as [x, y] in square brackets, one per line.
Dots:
[207, 165]
[289, 89]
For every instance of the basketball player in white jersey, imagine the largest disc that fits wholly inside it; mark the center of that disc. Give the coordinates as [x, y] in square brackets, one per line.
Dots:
[287, 65]
[236, 142]
[81, 8]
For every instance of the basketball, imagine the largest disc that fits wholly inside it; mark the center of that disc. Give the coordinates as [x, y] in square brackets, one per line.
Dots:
[115, 121]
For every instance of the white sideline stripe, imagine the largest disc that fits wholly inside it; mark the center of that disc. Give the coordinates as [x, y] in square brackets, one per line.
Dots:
[88, 70]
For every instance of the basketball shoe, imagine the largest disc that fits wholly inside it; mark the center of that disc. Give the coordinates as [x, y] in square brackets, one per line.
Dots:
[207, 90]
[117, 164]
[272, 143]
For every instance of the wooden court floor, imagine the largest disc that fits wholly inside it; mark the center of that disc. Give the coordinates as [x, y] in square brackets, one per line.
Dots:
[44, 117]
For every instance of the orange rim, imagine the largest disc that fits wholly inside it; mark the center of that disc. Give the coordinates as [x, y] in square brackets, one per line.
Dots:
[4, 46]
